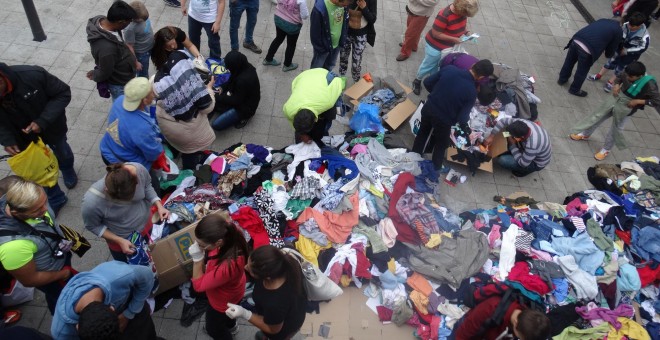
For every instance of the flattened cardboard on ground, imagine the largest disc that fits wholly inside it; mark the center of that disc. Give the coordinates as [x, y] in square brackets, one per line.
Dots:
[173, 263]
[498, 147]
[359, 90]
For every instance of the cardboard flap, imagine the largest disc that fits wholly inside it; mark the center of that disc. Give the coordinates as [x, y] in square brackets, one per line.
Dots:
[359, 89]
[498, 147]
[397, 115]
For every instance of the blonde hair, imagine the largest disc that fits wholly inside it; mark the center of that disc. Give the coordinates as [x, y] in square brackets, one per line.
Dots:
[466, 8]
[23, 195]
[140, 10]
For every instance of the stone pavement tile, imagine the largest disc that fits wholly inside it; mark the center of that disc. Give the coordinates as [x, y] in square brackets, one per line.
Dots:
[63, 73]
[80, 99]
[505, 177]
[18, 54]
[68, 59]
[43, 57]
[171, 329]
[82, 142]
[278, 142]
[575, 182]
[532, 180]
[33, 315]
[44, 327]
[254, 138]
[644, 125]
[174, 310]
[484, 192]
[552, 180]
[566, 163]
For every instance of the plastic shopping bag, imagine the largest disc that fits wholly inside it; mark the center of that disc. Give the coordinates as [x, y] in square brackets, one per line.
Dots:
[219, 71]
[36, 163]
[366, 118]
[416, 119]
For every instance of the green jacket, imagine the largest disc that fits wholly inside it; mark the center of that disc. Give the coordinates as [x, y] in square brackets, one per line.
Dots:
[310, 90]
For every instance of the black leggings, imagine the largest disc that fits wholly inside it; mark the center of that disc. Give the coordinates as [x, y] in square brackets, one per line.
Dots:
[435, 134]
[218, 324]
[291, 40]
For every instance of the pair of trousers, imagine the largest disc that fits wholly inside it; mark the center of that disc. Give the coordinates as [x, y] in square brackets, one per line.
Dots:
[414, 27]
[430, 63]
[116, 91]
[52, 290]
[218, 324]
[357, 43]
[326, 60]
[143, 58]
[195, 32]
[584, 61]
[437, 133]
[226, 120]
[508, 162]
[236, 9]
[56, 198]
[291, 41]
[141, 326]
[615, 108]
[64, 155]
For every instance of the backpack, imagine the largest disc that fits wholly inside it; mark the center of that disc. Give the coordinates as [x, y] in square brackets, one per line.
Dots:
[478, 292]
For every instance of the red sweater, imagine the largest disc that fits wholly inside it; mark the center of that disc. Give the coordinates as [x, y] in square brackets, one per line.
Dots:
[220, 285]
[472, 321]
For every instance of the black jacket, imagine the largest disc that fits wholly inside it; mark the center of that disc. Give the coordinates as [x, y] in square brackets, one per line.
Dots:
[243, 91]
[36, 96]
[602, 35]
[116, 63]
[369, 13]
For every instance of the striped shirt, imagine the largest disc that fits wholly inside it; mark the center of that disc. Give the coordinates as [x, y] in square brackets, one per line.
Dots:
[536, 148]
[449, 23]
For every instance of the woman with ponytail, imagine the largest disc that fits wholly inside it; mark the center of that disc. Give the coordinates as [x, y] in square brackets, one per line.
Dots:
[219, 256]
[279, 296]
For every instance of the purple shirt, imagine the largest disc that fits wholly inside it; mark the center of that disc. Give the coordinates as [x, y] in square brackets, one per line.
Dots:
[463, 61]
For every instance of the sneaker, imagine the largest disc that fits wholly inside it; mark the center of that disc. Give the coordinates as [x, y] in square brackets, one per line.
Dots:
[579, 93]
[578, 136]
[594, 77]
[602, 154]
[291, 67]
[234, 330]
[11, 316]
[70, 178]
[401, 45]
[252, 47]
[608, 87]
[273, 62]
[401, 57]
[417, 86]
[172, 3]
[241, 123]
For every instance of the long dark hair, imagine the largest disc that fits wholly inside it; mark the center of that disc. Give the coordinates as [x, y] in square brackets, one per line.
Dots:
[158, 52]
[270, 262]
[213, 228]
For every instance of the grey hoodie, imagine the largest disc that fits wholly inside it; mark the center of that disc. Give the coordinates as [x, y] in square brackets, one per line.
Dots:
[116, 63]
[117, 280]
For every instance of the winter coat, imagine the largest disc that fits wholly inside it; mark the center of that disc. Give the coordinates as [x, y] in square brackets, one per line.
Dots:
[319, 28]
[243, 91]
[35, 96]
[116, 63]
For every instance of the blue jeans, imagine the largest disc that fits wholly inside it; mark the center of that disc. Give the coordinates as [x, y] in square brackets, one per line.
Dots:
[195, 33]
[56, 198]
[584, 61]
[430, 63]
[508, 162]
[326, 60]
[226, 119]
[143, 58]
[236, 9]
[64, 155]
[116, 91]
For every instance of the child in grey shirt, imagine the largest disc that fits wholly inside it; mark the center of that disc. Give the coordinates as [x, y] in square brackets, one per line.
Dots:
[139, 37]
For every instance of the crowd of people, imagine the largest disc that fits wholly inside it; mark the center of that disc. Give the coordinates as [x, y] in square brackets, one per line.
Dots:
[155, 117]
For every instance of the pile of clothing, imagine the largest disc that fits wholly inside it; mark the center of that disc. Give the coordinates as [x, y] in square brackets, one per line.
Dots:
[370, 216]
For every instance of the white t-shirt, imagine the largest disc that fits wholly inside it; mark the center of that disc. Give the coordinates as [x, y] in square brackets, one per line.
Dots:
[203, 10]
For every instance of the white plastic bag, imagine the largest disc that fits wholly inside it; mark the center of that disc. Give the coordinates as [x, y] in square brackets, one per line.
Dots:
[416, 119]
[17, 294]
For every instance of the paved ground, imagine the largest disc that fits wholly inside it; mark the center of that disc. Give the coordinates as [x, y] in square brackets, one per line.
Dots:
[528, 34]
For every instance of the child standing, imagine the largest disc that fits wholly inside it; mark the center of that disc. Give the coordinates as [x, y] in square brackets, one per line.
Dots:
[139, 38]
[636, 40]
[206, 14]
[633, 90]
[289, 15]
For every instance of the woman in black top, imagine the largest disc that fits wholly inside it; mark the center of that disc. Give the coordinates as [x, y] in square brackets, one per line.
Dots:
[239, 98]
[167, 40]
[279, 296]
[361, 19]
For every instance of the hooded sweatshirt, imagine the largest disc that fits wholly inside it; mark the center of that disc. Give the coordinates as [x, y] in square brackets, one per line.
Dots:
[32, 95]
[115, 62]
[243, 91]
[117, 280]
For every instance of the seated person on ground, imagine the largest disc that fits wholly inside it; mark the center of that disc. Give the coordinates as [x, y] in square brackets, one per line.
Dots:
[529, 146]
[239, 98]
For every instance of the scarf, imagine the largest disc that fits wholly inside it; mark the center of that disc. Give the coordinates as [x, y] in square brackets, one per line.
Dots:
[638, 85]
[181, 91]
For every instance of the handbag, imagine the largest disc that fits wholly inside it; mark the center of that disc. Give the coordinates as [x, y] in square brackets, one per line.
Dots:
[318, 286]
[354, 18]
[37, 163]
[79, 245]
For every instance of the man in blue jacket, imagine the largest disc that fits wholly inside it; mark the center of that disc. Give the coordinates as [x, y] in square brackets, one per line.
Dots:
[452, 94]
[132, 135]
[328, 26]
[586, 46]
[107, 302]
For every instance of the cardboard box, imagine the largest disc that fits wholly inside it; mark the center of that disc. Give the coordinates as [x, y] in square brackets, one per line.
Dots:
[358, 90]
[399, 114]
[498, 147]
[173, 263]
